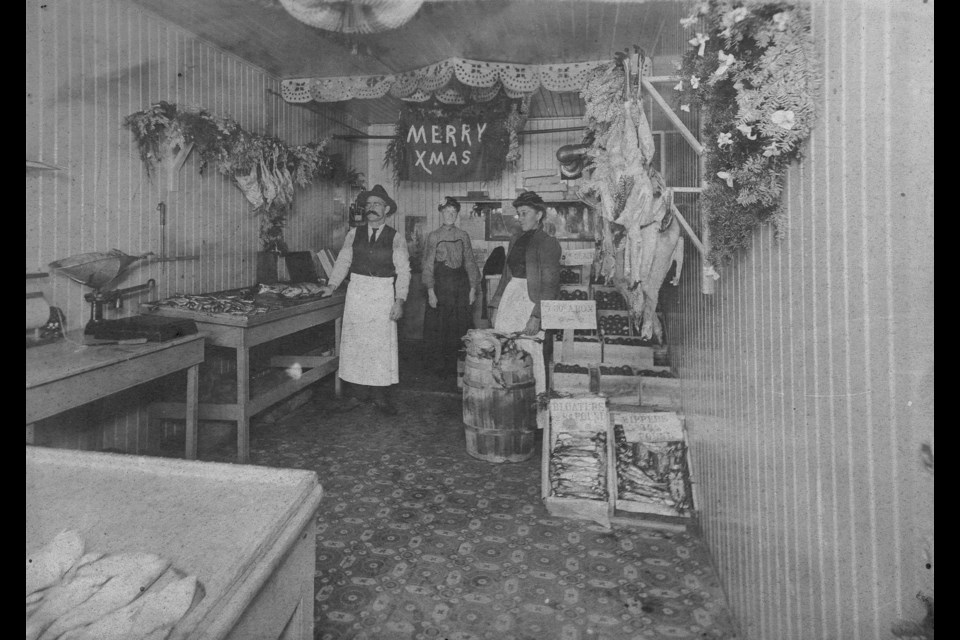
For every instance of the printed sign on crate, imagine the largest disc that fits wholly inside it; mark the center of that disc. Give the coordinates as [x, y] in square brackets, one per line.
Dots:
[574, 415]
[572, 257]
[651, 426]
[568, 314]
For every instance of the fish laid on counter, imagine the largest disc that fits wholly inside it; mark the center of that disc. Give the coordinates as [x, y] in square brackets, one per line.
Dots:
[232, 305]
[48, 564]
[78, 585]
[152, 614]
[136, 572]
[297, 290]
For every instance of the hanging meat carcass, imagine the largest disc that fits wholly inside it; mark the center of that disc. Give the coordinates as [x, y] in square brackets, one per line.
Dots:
[639, 237]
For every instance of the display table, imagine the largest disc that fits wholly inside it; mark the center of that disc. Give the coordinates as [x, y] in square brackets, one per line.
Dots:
[244, 332]
[65, 374]
[247, 533]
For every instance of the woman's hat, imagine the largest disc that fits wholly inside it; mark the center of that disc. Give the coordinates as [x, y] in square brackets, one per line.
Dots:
[381, 193]
[449, 201]
[529, 199]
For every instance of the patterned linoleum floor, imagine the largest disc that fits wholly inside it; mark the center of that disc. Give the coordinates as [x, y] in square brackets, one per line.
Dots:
[417, 540]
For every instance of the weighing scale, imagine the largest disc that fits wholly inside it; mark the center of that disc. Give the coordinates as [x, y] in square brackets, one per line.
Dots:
[102, 270]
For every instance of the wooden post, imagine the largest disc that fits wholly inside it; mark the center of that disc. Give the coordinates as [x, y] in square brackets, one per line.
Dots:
[707, 281]
[673, 117]
[689, 230]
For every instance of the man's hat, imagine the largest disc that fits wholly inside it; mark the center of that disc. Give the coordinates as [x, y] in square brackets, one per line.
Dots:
[381, 193]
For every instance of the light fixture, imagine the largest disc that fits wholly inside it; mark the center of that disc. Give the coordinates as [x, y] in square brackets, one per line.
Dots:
[353, 16]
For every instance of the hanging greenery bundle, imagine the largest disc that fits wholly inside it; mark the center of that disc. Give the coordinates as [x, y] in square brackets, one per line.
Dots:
[751, 69]
[504, 116]
[264, 168]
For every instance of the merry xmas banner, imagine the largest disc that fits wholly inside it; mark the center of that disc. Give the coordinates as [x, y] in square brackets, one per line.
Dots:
[448, 150]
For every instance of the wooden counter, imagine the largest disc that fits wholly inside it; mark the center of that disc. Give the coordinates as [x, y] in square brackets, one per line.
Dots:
[247, 533]
[66, 374]
[243, 332]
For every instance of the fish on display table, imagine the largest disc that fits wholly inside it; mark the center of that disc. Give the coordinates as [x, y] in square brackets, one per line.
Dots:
[134, 574]
[48, 564]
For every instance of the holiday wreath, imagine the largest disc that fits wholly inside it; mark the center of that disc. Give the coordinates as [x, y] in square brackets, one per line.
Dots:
[752, 72]
[264, 168]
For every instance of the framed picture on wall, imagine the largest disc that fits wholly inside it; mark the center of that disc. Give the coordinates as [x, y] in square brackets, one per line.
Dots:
[415, 234]
[570, 220]
[565, 220]
[498, 225]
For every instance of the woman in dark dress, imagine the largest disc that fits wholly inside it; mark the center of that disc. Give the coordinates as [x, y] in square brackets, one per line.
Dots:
[531, 274]
[451, 276]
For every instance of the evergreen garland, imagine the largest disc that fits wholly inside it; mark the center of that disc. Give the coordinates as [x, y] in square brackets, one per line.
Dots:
[752, 72]
[264, 167]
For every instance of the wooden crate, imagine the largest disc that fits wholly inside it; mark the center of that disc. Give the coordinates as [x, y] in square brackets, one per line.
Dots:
[636, 356]
[607, 313]
[571, 291]
[568, 272]
[621, 389]
[642, 424]
[660, 392]
[602, 291]
[584, 413]
[581, 351]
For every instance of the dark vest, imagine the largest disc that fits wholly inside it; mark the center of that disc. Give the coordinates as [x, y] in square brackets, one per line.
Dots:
[374, 259]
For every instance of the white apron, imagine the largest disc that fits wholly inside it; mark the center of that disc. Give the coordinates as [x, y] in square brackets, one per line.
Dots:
[368, 338]
[513, 313]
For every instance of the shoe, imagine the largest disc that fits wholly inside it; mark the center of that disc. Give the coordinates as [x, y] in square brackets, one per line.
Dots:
[385, 407]
[349, 404]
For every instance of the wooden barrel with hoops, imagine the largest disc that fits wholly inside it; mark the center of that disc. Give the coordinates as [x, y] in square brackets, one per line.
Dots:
[499, 407]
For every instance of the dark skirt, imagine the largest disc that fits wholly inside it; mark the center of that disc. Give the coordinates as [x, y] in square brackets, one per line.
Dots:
[444, 326]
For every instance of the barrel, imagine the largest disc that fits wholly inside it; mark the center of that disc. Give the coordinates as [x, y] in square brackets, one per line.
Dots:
[499, 420]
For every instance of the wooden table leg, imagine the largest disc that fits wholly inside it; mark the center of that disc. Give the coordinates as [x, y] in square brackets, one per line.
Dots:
[337, 385]
[243, 404]
[192, 410]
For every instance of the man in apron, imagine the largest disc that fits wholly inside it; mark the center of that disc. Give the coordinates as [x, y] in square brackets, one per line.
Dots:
[375, 257]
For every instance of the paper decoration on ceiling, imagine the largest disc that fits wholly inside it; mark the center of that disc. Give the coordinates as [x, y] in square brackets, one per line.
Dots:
[355, 16]
[419, 85]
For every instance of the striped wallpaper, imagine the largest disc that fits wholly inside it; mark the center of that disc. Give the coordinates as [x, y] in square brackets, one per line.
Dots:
[808, 375]
[90, 63]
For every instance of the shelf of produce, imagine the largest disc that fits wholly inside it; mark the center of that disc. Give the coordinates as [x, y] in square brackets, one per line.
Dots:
[247, 533]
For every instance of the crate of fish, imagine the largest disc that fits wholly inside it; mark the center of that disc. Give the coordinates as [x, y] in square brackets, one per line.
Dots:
[577, 473]
[651, 468]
